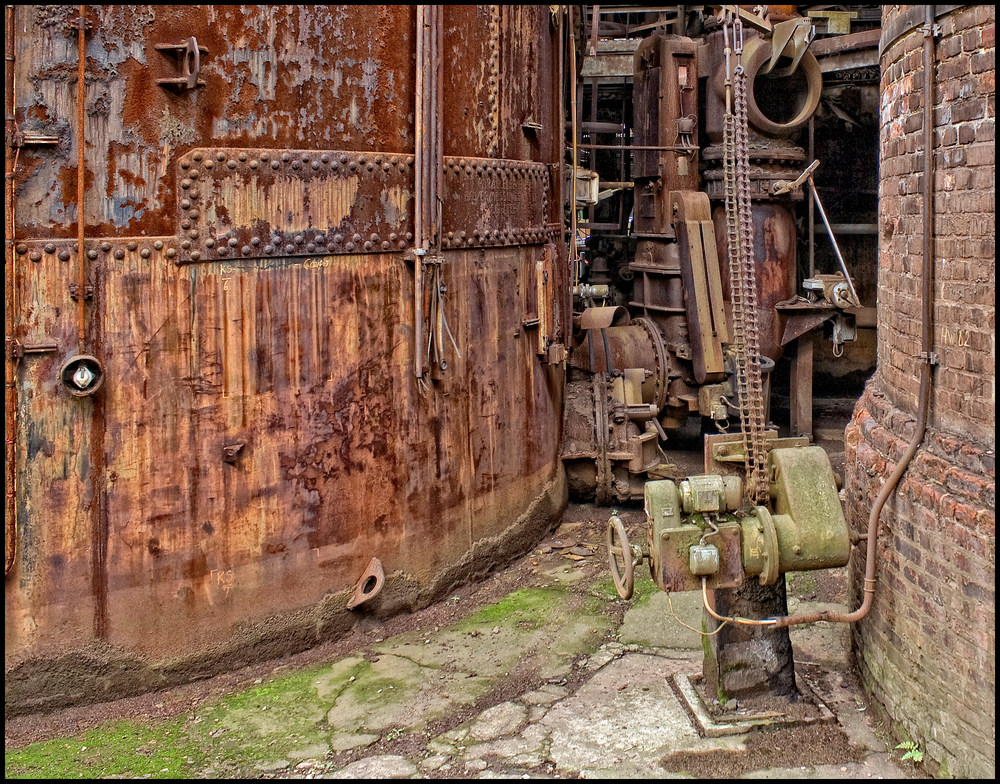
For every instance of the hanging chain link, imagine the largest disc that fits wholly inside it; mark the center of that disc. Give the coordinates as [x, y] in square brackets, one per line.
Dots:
[742, 270]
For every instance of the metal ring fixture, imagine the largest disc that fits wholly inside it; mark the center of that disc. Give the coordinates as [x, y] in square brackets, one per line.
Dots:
[803, 102]
[82, 375]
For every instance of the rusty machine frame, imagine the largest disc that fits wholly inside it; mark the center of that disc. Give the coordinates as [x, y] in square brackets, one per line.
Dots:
[687, 314]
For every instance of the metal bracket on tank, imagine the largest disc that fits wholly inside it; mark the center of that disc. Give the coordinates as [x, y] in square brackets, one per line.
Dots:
[368, 587]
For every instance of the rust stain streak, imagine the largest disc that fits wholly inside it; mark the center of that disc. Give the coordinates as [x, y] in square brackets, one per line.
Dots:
[293, 338]
[225, 338]
[244, 354]
[81, 172]
[316, 322]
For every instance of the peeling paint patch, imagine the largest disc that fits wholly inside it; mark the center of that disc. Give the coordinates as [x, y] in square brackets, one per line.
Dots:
[286, 204]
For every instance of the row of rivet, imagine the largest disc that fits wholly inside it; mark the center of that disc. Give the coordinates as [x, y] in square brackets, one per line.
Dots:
[492, 142]
[536, 171]
[303, 243]
[65, 254]
[528, 236]
[334, 161]
[300, 245]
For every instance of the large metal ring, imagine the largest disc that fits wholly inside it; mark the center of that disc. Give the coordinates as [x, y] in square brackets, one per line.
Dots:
[623, 571]
[799, 99]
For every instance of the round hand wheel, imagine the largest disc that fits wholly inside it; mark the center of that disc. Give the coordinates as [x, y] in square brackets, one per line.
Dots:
[620, 558]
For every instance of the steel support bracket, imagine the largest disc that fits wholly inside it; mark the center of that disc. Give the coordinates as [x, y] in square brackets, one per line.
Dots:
[188, 54]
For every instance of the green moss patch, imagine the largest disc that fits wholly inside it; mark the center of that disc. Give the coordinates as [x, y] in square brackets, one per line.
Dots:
[123, 749]
[528, 608]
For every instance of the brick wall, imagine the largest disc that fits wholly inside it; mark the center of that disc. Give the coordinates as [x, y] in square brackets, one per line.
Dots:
[927, 648]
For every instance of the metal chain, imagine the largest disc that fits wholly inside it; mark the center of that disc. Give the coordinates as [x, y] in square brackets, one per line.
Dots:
[742, 270]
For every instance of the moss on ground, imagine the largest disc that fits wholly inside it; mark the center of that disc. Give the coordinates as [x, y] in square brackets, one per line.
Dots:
[120, 749]
[286, 716]
[643, 589]
[228, 737]
[526, 607]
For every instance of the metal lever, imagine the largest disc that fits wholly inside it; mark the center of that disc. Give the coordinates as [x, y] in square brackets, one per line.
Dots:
[778, 187]
[783, 186]
[189, 54]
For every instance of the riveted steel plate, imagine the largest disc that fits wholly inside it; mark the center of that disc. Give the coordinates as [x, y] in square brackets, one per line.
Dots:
[491, 202]
[237, 203]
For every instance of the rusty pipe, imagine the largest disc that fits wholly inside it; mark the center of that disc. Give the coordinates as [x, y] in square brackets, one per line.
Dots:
[556, 214]
[926, 356]
[437, 63]
[10, 303]
[572, 101]
[418, 197]
[81, 162]
[428, 168]
[427, 152]
[418, 136]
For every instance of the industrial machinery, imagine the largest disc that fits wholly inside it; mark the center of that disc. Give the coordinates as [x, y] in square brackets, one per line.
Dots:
[686, 313]
[701, 534]
[693, 319]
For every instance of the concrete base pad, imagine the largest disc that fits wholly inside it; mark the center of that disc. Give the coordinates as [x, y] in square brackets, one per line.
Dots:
[740, 722]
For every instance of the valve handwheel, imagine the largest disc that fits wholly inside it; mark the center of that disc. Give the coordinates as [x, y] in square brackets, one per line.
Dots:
[622, 557]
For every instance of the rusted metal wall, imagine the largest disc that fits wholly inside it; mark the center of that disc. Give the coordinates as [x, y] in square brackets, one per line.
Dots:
[259, 434]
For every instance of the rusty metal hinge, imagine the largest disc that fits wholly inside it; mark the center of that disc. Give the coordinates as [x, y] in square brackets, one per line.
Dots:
[188, 55]
[74, 292]
[28, 139]
[16, 349]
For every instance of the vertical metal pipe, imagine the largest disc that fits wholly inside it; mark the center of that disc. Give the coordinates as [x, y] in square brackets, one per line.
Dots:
[812, 210]
[928, 211]
[572, 184]
[418, 135]
[81, 160]
[437, 65]
[428, 156]
[556, 214]
[419, 196]
[10, 301]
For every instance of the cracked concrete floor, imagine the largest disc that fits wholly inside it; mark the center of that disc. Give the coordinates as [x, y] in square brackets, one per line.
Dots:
[539, 671]
[589, 688]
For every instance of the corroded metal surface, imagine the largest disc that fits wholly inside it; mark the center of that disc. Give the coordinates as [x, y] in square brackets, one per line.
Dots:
[259, 436]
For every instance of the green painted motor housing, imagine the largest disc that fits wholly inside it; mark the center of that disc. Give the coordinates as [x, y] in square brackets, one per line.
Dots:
[802, 527]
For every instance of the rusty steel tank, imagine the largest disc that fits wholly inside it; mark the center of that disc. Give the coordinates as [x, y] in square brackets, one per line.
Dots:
[285, 307]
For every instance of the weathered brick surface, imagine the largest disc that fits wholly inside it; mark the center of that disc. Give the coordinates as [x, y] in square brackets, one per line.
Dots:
[927, 648]
[964, 214]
